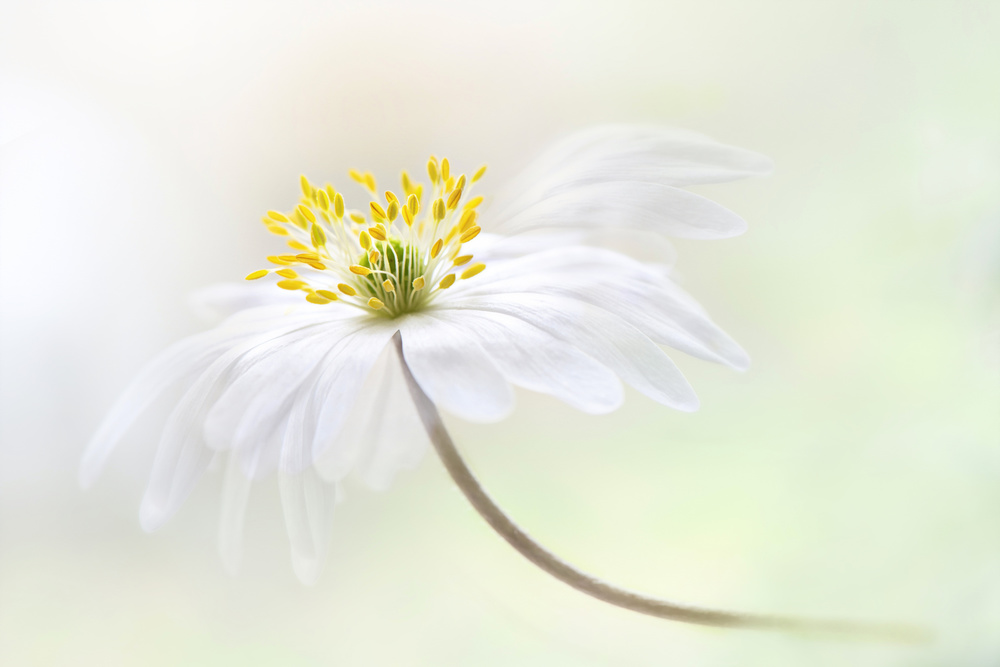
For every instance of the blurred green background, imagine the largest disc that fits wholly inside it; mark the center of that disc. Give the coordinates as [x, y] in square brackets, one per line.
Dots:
[853, 471]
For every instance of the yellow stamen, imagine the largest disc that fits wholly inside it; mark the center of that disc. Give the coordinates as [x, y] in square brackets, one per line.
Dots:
[316, 298]
[447, 281]
[432, 170]
[347, 289]
[470, 233]
[462, 259]
[387, 286]
[291, 284]
[277, 260]
[357, 269]
[407, 216]
[473, 203]
[377, 232]
[454, 198]
[306, 213]
[338, 205]
[295, 245]
[287, 273]
[445, 169]
[377, 211]
[473, 270]
[460, 184]
[436, 248]
[257, 274]
[479, 173]
[323, 200]
[318, 236]
[392, 210]
[466, 221]
[373, 256]
[357, 217]
[277, 217]
[307, 189]
[375, 304]
[365, 240]
[407, 183]
[418, 283]
[413, 203]
[328, 295]
[390, 197]
[438, 210]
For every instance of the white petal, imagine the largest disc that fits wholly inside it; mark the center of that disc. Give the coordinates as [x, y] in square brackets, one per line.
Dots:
[183, 455]
[235, 493]
[217, 302]
[308, 503]
[534, 359]
[645, 207]
[643, 297]
[389, 430]
[454, 370]
[607, 338]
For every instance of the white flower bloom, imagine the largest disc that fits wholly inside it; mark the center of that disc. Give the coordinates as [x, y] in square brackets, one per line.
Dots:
[310, 387]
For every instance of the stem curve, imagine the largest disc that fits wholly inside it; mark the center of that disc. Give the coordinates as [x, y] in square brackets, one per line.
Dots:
[605, 591]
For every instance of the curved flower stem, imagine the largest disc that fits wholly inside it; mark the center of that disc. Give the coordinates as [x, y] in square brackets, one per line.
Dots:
[602, 590]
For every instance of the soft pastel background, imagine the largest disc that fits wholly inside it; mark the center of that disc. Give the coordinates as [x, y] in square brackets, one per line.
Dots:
[853, 471]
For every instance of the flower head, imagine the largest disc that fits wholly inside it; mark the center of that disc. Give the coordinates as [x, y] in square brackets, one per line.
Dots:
[301, 378]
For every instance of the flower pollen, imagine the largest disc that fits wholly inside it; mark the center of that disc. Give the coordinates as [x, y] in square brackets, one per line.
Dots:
[389, 259]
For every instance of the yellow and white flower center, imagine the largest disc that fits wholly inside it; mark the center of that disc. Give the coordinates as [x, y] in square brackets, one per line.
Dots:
[393, 258]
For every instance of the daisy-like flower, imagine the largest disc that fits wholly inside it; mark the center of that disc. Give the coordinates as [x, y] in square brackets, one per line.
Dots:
[375, 318]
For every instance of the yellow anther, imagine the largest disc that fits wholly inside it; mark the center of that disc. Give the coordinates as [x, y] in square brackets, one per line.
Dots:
[357, 217]
[479, 173]
[347, 289]
[307, 256]
[291, 259]
[306, 213]
[473, 270]
[462, 259]
[432, 170]
[277, 217]
[473, 203]
[449, 185]
[317, 265]
[365, 240]
[277, 231]
[318, 236]
[330, 192]
[413, 203]
[418, 283]
[377, 233]
[338, 205]
[438, 210]
[460, 184]
[392, 210]
[377, 211]
[375, 304]
[323, 200]
[295, 245]
[390, 197]
[277, 260]
[407, 216]
[356, 176]
[387, 286]
[374, 256]
[407, 183]
[436, 248]
[307, 189]
[370, 182]
[291, 284]
[454, 198]
[287, 273]
[445, 169]
[327, 294]
[257, 274]
[467, 220]
[316, 298]
[359, 270]
[447, 281]
[470, 233]
[418, 190]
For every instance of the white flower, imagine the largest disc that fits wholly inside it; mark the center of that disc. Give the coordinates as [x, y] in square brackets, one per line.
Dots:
[311, 387]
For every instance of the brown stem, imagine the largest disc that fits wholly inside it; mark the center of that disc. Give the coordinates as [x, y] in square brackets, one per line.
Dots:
[602, 590]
